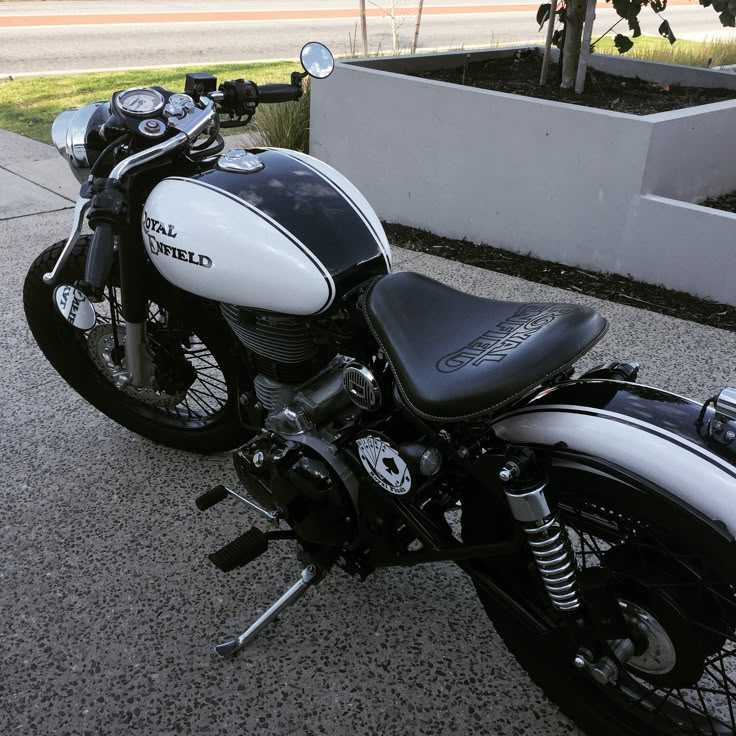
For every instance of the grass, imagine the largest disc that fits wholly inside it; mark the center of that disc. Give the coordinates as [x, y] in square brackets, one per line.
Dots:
[29, 105]
[283, 126]
[715, 52]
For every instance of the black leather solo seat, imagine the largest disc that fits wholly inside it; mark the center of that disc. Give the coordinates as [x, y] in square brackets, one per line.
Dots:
[457, 356]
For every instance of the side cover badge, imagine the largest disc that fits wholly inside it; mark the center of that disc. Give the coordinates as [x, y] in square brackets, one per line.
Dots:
[384, 464]
[75, 308]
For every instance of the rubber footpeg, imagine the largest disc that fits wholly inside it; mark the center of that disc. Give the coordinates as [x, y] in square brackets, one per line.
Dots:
[211, 497]
[246, 548]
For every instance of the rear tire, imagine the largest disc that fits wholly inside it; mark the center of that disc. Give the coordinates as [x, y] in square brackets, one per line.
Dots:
[199, 331]
[687, 563]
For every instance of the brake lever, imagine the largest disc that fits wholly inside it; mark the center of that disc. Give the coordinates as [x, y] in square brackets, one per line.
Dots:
[80, 209]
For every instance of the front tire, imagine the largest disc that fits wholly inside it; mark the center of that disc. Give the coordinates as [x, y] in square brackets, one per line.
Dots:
[194, 403]
[664, 561]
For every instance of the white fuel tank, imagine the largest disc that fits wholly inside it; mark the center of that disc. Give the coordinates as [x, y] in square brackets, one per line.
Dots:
[283, 233]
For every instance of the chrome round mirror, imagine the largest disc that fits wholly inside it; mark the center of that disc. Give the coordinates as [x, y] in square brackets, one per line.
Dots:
[317, 60]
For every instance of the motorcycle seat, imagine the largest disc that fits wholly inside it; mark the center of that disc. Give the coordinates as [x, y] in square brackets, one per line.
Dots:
[457, 356]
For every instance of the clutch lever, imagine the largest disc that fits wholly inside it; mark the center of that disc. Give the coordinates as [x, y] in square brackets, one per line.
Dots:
[80, 209]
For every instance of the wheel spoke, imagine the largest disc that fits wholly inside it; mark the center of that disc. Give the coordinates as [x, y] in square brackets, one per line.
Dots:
[653, 565]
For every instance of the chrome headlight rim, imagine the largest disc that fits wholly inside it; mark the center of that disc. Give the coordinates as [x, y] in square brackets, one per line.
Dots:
[69, 134]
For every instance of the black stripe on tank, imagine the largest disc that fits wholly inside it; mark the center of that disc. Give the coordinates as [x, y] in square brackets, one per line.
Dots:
[277, 226]
[348, 198]
[308, 206]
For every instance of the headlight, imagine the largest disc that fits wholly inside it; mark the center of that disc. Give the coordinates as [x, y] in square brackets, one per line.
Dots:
[70, 133]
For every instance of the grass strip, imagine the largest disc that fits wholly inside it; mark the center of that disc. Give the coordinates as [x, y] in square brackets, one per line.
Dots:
[29, 105]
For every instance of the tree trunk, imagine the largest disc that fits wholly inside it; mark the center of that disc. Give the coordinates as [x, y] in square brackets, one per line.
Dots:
[363, 28]
[585, 48]
[548, 42]
[416, 30]
[574, 15]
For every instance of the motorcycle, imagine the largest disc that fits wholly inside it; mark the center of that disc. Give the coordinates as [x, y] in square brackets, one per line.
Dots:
[245, 300]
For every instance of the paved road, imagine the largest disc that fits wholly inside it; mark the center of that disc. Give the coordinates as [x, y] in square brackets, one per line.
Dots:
[31, 50]
[109, 607]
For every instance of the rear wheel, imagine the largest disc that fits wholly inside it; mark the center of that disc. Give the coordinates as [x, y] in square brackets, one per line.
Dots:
[674, 579]
[191, 403]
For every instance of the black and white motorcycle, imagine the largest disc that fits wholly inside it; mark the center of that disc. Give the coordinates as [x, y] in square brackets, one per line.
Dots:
[245, 300]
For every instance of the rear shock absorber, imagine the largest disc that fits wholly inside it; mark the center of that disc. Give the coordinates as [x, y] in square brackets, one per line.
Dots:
[546, 534]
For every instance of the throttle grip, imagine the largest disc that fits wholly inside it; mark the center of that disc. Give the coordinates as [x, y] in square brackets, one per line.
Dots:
[99, 261]
[268, 93]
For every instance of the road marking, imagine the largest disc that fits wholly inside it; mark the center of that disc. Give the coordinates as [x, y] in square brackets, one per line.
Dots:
[31, 21]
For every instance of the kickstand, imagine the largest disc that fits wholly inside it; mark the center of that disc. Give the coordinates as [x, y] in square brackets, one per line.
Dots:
[309, 576]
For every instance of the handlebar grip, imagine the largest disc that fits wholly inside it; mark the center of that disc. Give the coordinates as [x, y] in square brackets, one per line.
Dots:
[99, 259]
[268, 93]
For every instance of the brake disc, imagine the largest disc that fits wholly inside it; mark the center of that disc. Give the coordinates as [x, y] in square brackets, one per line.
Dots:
[109, 359]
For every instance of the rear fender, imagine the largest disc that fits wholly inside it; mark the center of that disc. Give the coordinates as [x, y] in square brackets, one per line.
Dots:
[648, 434]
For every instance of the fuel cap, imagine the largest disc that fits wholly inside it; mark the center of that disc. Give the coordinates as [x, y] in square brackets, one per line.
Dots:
[240, 160]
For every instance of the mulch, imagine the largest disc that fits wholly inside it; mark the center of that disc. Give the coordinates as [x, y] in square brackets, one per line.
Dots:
[520, 76]
[609, 286]
[723, 202]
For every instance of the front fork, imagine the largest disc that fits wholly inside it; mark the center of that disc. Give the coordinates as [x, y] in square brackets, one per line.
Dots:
[524, 486]
[134, 304]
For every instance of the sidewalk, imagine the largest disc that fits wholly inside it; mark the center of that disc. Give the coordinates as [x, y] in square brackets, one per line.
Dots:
[110, 607]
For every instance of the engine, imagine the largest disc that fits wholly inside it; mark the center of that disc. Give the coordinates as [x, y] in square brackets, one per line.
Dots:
[294, 464]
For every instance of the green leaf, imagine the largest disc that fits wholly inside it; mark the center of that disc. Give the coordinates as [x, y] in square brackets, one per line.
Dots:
[705, 3]
[623, 43]
[720, 5]
[659, 6]
[666, 31]
[635, 27]
[727, 19]
[622, 7]
[543, 12]
[558, 38]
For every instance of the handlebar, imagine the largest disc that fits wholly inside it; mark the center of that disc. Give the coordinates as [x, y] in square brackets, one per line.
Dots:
[268, 93]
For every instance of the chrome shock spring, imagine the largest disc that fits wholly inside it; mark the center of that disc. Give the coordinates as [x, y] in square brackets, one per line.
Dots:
[546, 534]
[555, 559]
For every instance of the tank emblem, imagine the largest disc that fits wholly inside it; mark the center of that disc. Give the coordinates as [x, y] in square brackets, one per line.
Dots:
[158, 248]
[384, 464]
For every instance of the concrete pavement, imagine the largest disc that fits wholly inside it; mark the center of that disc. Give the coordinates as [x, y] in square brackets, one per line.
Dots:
[109, 607]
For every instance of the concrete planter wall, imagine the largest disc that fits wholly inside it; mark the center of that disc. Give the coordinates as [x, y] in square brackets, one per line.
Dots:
[494, 167]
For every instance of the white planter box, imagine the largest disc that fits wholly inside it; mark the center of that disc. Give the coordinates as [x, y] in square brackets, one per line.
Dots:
[495, 168]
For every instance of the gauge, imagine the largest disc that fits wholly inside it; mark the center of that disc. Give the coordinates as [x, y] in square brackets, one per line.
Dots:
[140, 101]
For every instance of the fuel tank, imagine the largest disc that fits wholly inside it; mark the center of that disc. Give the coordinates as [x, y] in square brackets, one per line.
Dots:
[270, 229]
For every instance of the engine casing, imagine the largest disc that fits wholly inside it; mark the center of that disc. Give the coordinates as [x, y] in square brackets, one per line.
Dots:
[292, 237]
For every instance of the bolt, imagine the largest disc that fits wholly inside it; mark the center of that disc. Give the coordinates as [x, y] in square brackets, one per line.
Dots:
[509, 471]
[463, 452]
[717, 426]
[580, 661]
[258, 459]
[730, 435]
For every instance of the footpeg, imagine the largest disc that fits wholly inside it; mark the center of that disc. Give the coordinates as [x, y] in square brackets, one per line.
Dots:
[309, 576]
[219, 493]
[211, 497]
[246, 548]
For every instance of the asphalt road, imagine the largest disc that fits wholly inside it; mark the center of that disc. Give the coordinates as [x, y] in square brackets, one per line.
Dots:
[31, 50]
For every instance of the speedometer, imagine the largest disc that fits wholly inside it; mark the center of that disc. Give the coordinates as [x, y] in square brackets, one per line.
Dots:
[140, 101]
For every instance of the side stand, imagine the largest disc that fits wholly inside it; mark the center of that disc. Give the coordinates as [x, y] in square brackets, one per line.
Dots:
[309, 576]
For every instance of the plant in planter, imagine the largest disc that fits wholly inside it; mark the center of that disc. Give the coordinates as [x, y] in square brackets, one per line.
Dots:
[576, 18]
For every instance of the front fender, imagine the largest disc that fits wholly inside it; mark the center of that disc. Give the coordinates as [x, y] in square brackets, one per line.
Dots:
[650, 433]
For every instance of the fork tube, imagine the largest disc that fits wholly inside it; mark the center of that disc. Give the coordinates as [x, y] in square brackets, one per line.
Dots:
[134, 298]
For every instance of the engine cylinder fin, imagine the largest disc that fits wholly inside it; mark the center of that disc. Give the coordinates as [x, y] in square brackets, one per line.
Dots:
[280, 339]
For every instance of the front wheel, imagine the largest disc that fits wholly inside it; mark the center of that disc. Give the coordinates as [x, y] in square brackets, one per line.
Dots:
[191, 403]
[674, 577]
